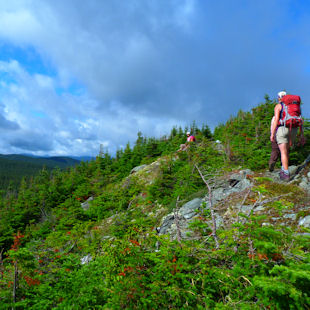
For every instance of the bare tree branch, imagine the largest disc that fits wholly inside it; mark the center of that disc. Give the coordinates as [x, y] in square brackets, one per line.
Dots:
[211, 208]
[243, 201]
[176, 221]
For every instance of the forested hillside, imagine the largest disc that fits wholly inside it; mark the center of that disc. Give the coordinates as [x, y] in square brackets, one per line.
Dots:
[13, 168]
[153, 228]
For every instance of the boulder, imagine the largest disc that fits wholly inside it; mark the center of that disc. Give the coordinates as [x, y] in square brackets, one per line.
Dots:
[86, 259]
[305, 184]
[185, 214]
[189, 209]
[290, 216]
[85, 205]
[305, 222]
[136, 169]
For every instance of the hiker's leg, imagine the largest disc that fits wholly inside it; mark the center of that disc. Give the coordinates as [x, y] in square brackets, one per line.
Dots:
[284, 155]
[282, 137]
[275, 153]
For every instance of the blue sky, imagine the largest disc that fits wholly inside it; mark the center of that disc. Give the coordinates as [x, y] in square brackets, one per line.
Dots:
[76, 74]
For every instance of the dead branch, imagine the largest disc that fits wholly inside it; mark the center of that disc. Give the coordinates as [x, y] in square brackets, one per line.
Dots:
[251, 249]
[131, 202]
[176, 221]
[302, 166]
[255, 204]
[237, 220]
[243, 201]
[211, 208]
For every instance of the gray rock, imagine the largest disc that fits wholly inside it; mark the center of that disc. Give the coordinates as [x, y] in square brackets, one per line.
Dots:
[302, 234]
[305, 234]
[242, 185]
[305, 184]
[259, 209]
[217, 195]
[219, 221]
[237, 182]
[85, 205]
[244, 209]
[169, 227]
[290, 216]
[308, 175]
[236, 176]
[136, 169]
[189, 209]
[292, 169]
[86, 259]
[167, 221]
[305, 221]
[185, 213]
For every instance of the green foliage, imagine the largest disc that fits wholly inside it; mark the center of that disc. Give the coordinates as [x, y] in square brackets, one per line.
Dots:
[46, 236]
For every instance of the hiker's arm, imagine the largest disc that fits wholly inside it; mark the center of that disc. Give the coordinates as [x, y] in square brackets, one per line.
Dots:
[277, 111]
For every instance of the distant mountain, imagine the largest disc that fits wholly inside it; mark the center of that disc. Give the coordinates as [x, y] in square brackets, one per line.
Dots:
[13, 167]
[83, 158]
[79, 158]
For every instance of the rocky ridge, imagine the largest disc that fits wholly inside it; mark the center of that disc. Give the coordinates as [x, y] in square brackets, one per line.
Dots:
[241, 191]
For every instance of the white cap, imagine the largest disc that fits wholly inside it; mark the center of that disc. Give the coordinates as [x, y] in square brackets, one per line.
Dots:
[188, 133]
[281, 94]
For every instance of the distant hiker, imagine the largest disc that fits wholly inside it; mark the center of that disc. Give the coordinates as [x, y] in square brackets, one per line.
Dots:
[190, 138]
[275, 151]
[287, 120]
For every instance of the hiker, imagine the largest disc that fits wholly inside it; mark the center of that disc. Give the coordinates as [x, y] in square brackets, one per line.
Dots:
[275, 151]
[287, 120]
[190, 138]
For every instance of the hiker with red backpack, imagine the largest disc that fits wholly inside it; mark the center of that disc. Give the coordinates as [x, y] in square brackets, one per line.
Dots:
[190, 138]
[287, 120]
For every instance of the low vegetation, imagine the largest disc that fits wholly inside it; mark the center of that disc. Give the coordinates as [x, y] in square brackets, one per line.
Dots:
[57, 255]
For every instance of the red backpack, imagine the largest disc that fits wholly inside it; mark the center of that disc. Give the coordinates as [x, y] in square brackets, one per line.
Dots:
[290, 115]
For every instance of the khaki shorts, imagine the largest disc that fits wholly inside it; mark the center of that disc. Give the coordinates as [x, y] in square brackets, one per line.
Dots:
[282, 135]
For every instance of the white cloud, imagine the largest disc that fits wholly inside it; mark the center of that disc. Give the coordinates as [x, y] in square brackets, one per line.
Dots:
[123, 67]
[19, 25]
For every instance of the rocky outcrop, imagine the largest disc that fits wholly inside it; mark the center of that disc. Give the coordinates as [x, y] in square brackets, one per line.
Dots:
[228, 201]
[236, 185]
[85, 205]
[86, 259]
[180, 220]
[305, 221]
[138, 168]
[144, 174]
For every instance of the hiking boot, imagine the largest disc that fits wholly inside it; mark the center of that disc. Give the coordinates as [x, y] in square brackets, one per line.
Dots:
[284, 176]
[271, 166]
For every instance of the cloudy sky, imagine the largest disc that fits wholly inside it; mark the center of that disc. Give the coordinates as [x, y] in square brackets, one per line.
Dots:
[75, 74]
